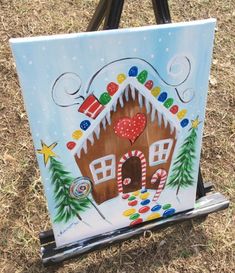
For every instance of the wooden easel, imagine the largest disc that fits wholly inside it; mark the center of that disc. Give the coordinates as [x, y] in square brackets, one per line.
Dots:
[110, 11]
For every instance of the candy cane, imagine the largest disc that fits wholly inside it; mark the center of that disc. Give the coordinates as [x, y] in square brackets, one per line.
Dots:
[162, 175]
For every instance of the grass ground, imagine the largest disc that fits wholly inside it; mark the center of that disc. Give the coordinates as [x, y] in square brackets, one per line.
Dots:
[189, 247]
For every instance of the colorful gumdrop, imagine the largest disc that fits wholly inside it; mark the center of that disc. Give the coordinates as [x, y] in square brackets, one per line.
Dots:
[136, 222]
[149, 84]
[112, 88]
[142, 77]
[184, 122]
[125, 196]
[105, 98]
[133, 71]
[70, 145]
[168, 212]
[145, 202]
[166, 206]
[133, 203]
[168, 103]
[153, 216]
[128, 212]
[174, 109]
[134, 216]
[182, 114]
[131, 198]
[77, 134]
[156, 91]
[85, 124]
[162, 97]
[156, 208]
[144, 209]
[121, 78]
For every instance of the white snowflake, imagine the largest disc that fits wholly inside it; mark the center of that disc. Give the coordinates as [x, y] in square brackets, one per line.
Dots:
[145, 38]
[102, 59]
[43, 48]
[159, 40]
[167, 49]
[74, 58]
[135, 49]
[30, 62]
[169, 33]
[152, 56]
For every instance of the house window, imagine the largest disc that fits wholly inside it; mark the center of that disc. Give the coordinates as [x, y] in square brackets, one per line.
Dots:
[159, 151]
[103, 169]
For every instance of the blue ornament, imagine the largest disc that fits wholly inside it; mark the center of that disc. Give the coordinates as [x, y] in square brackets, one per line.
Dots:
[133, 71]
[184, 122]
[162, 97]
[156, 208]
[143, 191]
[168, 212]
[145, 202]
[85, 124]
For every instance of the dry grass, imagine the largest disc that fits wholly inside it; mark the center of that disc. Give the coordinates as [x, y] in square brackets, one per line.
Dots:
[190, 247]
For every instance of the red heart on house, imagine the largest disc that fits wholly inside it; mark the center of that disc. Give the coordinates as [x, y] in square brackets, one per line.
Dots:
[130, 128]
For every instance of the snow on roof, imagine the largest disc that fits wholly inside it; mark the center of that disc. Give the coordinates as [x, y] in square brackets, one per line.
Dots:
[141, 85]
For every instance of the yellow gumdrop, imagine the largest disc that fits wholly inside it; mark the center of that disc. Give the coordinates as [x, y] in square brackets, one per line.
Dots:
[181, 113]
[135, 193]
[144, 196]
[121, 78]
[128, 212]
[156, 91]
[154, 215]
[77, 134]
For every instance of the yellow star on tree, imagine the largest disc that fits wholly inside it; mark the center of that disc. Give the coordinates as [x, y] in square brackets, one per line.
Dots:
[195, 123]
[46, 151]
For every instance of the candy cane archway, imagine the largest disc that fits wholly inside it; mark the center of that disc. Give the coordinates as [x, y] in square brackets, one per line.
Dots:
[143, 166]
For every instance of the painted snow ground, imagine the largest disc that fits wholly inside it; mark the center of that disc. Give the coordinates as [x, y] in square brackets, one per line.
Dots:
[113, 209]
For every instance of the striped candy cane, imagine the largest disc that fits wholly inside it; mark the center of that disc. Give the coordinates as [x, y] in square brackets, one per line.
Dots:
[162, 175]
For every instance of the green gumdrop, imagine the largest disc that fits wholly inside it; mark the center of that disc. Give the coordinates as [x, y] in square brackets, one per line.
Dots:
[142, 77]
[168, 103]
[105, 98]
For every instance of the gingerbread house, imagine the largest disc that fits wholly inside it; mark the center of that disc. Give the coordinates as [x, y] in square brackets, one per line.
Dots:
[129, 136]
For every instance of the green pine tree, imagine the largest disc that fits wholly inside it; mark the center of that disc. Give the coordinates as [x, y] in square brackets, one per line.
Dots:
[182, 172]
[67, 207]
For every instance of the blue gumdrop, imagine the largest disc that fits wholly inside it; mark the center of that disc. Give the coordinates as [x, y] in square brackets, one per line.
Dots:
[145, 202]
[133, 71]
[143, 191]
[162, 97]
[156, 208]
[184, 122]
[168, 212]
[85, 124]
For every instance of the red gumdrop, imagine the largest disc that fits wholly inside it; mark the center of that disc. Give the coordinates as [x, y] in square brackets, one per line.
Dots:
[174, 109]
[125, 196]
[144, 209]
[70, 145]
[136, 222]
[112, 88]
[149, 84]
[132, 203]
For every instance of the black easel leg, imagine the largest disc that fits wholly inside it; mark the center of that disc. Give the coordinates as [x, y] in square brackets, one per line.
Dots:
[200, 186]
[114, 14]
[161, 11]
[98, 15]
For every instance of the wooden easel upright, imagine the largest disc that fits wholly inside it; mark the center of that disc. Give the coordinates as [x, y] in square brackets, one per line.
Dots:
[110, 11]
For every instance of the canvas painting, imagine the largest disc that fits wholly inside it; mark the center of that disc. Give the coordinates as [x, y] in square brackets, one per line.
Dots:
[117, 119]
